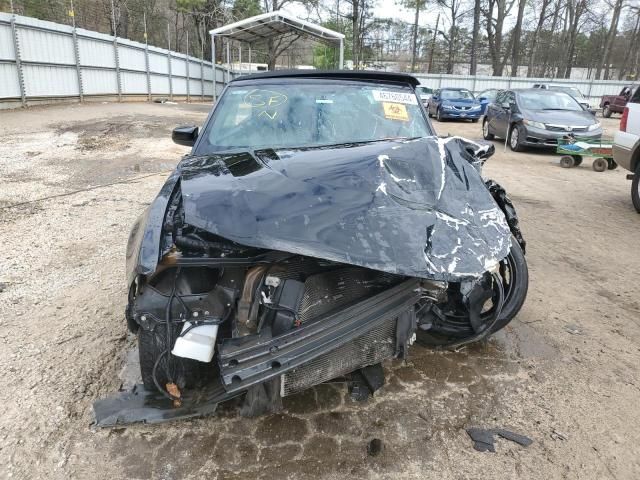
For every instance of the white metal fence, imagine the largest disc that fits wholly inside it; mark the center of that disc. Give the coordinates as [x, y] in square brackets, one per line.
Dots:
[42, 60]
[592, 89]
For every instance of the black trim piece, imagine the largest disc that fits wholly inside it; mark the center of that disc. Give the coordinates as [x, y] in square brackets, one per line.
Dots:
[340, 74]
[246, 361]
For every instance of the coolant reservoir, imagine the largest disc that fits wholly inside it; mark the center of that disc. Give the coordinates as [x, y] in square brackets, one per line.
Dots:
[198, 343]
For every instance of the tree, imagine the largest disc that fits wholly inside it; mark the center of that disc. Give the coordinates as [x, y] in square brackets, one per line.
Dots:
[495, 13]
[611, 35]
[417, 6]
[533, 48]
[475, 38]
[453, 9]
[515, 42]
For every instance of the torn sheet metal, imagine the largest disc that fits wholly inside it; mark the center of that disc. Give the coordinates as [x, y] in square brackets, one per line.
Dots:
[412, 207]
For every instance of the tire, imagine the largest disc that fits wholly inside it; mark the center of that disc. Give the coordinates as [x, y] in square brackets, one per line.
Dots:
[429, 114]
[606, 111]
[635, 189]
[439, 116]
[600, 165]
[567, 161]
[515, 143]
[187, 373]
[515, 285]
[516, 292]
[485, 130]
[577, 160]
[611, 164]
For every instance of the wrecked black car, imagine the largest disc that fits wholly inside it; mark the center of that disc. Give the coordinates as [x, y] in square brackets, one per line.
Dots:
[317, 228]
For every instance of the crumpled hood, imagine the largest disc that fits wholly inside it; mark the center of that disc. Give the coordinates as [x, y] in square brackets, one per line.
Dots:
[418, 207]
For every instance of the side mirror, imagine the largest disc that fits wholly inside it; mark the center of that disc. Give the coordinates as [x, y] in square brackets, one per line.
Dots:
[482, 99]
[185, 135]
[484, 150]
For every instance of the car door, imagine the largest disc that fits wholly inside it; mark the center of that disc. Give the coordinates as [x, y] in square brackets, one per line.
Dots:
[433, 102]
[497, 114]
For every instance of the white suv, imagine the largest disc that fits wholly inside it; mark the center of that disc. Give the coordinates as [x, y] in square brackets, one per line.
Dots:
[626, 145]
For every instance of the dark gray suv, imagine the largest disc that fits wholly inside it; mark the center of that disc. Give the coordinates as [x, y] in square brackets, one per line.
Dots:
[537, 118]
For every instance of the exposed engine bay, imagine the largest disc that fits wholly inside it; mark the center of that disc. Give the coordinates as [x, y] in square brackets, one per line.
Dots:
[218, 314]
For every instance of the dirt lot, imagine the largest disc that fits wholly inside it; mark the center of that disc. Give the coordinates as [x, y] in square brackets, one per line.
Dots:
[565, 372]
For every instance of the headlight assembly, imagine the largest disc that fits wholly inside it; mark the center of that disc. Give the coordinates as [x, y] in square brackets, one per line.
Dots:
[531, 123]
[594, 126]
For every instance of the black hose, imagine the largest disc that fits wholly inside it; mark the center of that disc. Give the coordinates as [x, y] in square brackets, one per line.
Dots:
[168, 343]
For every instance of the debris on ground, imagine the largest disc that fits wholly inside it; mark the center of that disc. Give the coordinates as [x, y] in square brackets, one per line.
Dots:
[375, 447]
[483, 439]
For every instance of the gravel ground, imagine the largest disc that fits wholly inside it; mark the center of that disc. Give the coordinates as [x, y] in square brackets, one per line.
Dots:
[565, 372]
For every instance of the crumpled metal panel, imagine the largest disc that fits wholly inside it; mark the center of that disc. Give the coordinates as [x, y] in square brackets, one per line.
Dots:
[414, 207]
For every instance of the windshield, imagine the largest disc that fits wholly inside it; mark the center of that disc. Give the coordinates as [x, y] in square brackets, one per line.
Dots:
[424, 90]
[456, 94]
[489, 94]
[573, 91]
[548, 100]
[311, 113]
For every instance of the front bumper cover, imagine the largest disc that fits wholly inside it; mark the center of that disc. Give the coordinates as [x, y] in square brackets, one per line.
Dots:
[537, 137]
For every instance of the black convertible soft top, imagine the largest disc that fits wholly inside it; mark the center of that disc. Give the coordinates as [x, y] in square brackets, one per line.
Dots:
[340, 74]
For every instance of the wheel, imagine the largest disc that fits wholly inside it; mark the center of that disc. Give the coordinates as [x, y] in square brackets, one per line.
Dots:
[485, 131]
[429, 114]
[577, 160]
[184, 372]
[611, 164]
[635, 189]
[516, 138]
[515, 285]
[606, 111]
[567, 161]
[600, 165]
[439, 116]
[515, 278]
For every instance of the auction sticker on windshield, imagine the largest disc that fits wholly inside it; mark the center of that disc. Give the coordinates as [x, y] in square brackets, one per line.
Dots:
[396, 97]
[395, 111]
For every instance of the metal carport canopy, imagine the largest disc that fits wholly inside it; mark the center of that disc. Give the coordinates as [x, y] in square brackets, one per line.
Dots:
[275, 24]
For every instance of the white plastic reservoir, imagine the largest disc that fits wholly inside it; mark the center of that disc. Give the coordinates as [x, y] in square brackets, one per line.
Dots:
[198, 343]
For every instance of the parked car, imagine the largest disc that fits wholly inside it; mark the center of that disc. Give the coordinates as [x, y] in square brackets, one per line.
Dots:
[425, 94]
[458, 103]
[626, 145]
[573, 91]
[537, 118]
[485, 98]
[616, 103]
[318, 226]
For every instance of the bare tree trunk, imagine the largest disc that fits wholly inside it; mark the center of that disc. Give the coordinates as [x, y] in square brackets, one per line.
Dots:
[415, 36]
[355, 23]
[473, 69]
[534, 39]
[635, 37]
[515, 47]
[610, 38]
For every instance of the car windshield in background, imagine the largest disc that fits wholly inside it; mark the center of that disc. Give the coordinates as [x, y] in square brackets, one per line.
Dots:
[424, 90]
[310, 114]
[456, 94]
[574, 92]
[547, 100]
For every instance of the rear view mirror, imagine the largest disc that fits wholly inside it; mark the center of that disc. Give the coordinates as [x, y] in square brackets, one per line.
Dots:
[185, 135]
